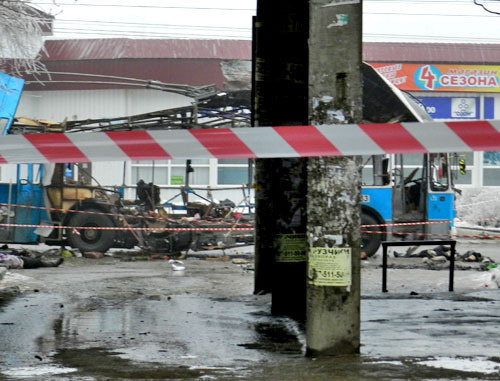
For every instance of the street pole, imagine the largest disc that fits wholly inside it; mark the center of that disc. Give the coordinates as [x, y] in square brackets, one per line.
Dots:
[280, 99]
[333, 183]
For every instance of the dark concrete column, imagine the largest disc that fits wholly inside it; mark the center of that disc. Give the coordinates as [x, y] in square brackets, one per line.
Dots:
[280, 98]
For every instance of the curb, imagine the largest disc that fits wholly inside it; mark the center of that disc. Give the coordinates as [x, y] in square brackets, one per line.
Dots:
[477, 231]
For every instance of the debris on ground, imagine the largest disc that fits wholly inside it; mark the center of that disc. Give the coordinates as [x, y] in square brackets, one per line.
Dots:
[441, 255]
[223, 258]
[240, 261]
[93, 255]
[7, 293]
[67, 253]
[177, 265]
[495, 277]
[247, 268]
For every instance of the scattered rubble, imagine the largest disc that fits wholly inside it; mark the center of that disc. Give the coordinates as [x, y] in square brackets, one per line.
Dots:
[495, 277]
[7, 293]
[93, 255]
[177, 265]
[438, 258]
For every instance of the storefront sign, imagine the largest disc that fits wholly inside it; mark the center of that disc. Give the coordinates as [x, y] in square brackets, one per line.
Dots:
[457, 107]
[418, 77]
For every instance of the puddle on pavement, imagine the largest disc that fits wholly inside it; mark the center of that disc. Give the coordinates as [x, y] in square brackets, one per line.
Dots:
[193, 337]
[104, 363]
[276, 337]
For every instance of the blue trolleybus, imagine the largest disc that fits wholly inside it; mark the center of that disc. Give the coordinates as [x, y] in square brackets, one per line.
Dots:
[407, 197]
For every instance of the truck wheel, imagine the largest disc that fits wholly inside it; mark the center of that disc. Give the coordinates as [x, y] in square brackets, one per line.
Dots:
[88, 239]
[370, 242]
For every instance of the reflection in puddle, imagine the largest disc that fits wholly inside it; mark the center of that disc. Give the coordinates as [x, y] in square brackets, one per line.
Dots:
[277, 337]
[477, 364]
[37, 371]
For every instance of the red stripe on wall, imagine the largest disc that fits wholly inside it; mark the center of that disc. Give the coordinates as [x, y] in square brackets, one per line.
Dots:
[393, 138]
[480, 136]
[2, 160]
[138, 145]
[307, 141]
[223, 143]
[57, 148]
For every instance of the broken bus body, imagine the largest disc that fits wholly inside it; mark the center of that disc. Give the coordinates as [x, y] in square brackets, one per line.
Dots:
[404, 196]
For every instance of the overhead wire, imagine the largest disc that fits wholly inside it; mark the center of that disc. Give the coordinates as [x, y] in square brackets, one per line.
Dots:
[366, 36]
[146, 34]
[482, 5]
[237, 32]
[455, 2]
[191, 26]
[146, 6]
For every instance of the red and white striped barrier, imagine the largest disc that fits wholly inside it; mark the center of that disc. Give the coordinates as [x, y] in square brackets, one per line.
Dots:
[261, 142]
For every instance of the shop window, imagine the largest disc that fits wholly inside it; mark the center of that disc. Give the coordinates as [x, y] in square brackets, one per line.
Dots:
[145, 173]
[171, 172]
[491, 158]
[232, 171]
[233, 161]
[464, 179]
[232, 176]
[491, 168]
[491, 176]
[199, 176]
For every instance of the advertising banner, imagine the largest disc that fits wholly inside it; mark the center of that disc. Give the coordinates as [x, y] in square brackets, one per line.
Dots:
[427, 77]
[460, 108]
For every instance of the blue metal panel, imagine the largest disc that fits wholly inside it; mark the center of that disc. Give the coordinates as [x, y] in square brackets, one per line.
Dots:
[379, 199]
[440, 206]
[10, 94]
[489, 108]
[28, 194]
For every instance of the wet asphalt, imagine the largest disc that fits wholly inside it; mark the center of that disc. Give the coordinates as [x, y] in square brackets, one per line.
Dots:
[111, 319]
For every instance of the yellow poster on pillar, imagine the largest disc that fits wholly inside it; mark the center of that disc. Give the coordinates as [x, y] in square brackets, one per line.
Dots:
[329, 266]
[291, 248]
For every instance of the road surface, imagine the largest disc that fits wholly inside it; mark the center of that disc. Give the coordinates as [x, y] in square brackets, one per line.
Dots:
[96, 319]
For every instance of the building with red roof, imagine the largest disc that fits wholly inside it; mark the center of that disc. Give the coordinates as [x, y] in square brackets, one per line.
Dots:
[453, 82]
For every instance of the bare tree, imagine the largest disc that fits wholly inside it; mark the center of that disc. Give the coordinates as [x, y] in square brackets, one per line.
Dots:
[21, 29]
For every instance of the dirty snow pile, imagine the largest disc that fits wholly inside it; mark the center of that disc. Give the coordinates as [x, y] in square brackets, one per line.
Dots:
[488, 279]
[478, 207]
[494, 278]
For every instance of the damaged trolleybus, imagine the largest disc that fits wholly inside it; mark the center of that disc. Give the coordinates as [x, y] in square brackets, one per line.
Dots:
[404, 196]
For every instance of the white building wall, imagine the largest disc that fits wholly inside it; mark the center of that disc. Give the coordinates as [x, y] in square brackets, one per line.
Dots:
[93, 104]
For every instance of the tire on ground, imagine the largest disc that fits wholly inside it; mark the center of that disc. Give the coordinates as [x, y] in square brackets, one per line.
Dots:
[370, 242]
[91, 240]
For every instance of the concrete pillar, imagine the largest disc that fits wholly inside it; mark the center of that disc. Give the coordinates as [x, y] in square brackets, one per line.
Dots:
[334, 185]
[280, 98]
